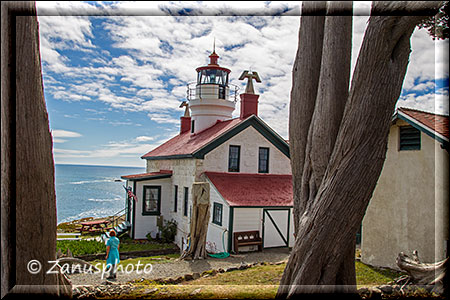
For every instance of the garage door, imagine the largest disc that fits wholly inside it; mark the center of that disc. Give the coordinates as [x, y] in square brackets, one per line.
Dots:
[275, 227]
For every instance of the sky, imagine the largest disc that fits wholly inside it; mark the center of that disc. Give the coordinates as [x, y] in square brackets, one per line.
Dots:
[115, 73]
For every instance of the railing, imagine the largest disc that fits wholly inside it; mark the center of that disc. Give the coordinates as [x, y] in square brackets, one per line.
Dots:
[114, 219]
[211, 90]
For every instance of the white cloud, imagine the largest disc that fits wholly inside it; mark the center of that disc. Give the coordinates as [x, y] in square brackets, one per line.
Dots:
[144, 138]
[59, 133]
[434, 102]
[159, 54]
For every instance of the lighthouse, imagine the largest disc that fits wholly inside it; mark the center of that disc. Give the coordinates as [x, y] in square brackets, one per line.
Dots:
[211, 98]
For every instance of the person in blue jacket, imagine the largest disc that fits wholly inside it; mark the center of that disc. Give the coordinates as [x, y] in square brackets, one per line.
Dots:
[112, 254]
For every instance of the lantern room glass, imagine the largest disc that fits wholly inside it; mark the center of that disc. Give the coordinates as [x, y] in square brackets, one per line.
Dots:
[212, 76]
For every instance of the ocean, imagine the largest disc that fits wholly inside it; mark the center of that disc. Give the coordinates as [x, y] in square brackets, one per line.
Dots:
[90, 191]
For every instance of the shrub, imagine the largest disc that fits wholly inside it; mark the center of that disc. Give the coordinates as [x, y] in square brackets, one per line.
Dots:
[168, 231]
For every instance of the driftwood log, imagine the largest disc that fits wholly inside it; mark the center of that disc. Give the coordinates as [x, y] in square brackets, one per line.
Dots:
[423, 273]
[199, 222]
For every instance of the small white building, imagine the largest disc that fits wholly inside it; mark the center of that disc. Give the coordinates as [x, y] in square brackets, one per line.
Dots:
[409, 207]
[245, 162]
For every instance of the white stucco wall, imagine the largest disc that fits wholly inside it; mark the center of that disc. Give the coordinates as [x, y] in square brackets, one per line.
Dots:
[145, 224]
[184, 174]
[250, 140]
[216, 235]
[190, 170]
[406, 211]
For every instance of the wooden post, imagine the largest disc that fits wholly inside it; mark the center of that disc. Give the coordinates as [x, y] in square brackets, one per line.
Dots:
[199, 221]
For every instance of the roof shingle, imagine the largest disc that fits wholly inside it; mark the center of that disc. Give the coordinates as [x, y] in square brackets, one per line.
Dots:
[437, 123]
[244, 189]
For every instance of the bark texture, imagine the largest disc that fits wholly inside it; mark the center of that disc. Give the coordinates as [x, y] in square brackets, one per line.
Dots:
[305, 80]
[28, 190]
[199, 222]
[322, 258]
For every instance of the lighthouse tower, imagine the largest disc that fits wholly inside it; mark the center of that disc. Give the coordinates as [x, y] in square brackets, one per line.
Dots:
[211, 97]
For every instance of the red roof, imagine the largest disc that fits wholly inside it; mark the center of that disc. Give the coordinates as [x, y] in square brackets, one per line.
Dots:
[143, 176]
[437, 123]
[243, 189]
[185, 143]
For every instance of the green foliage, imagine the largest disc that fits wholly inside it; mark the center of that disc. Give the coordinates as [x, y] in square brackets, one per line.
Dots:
[81, 247]
[437, 25]
[168, 231]
[368, 275]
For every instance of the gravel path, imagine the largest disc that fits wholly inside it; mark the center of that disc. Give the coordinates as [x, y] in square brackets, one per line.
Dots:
[180, 268]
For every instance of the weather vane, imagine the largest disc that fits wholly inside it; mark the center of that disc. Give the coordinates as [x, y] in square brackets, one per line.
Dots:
[185, 104]
[250, 75]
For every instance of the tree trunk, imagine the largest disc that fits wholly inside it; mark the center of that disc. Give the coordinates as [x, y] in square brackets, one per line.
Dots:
[28, 190]
[305, 80]
[199, 222]
[325, 240]
[422, 273]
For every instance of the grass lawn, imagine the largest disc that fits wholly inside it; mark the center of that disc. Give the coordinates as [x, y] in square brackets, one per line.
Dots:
[259, 282]
[93, 247]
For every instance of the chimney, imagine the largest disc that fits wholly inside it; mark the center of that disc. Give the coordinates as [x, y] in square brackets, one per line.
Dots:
[185, 124]
[249, 105]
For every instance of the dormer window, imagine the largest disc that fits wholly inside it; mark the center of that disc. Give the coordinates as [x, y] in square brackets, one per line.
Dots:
[263, 160]
[234, 158]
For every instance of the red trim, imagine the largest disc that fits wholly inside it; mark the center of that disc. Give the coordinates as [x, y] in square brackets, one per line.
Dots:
[144, 175]
[214, 67]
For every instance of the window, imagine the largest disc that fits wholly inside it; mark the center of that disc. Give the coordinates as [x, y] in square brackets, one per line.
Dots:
[152, 200]
[233, 158]
[263, 160]
[175, 199]
[186, 198]
[192, 126]
[217, 213]
[409, 138]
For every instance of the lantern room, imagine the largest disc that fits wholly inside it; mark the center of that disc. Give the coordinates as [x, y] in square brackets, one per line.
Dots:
[211, 98]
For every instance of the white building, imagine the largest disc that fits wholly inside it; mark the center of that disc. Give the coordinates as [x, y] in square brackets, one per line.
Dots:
[245, 162]
[409, 207]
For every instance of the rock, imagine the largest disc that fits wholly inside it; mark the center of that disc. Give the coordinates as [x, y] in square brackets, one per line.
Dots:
[150, 291]
[221, 270]
[231, 269]
[195, 292]
[386, 289]
[195, 275]
[188, 277]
